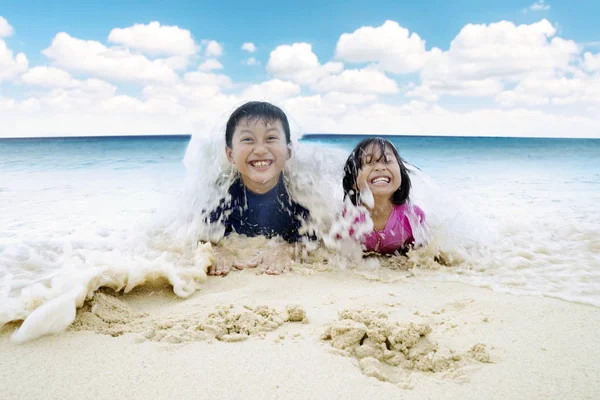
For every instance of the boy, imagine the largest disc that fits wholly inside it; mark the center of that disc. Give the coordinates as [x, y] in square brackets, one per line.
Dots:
[257, 138]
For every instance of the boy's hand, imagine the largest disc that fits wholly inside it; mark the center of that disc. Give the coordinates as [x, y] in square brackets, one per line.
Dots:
[273, 261]
[278, 260]
[225, 261]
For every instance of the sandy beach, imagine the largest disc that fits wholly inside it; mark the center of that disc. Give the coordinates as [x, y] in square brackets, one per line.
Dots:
[482, 344]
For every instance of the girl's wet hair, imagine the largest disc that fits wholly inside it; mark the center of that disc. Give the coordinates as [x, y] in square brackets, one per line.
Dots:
[355, 163]
[255, 110]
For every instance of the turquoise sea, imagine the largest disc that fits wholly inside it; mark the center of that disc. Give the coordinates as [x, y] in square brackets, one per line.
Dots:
[70, 199]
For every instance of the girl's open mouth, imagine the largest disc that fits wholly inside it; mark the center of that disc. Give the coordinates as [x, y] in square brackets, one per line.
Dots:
[380, 180]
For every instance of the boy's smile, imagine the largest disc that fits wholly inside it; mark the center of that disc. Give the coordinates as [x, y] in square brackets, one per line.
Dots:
[259, 151]
[261, 165]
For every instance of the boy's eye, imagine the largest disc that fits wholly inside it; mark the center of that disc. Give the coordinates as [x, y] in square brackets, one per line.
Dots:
[246, 140]
[271, 138]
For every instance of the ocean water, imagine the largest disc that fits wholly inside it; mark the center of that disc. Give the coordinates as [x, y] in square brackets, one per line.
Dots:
[516, 215]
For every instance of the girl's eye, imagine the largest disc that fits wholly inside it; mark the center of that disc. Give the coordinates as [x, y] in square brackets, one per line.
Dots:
[272, 138]
[246, 140]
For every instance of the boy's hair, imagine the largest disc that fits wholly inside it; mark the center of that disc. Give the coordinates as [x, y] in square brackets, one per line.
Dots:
[355, 164]
[256, 110]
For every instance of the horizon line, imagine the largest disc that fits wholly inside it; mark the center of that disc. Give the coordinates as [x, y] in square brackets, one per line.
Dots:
[306, 135]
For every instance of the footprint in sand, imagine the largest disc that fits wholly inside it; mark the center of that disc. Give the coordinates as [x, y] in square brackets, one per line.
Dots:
[108, 315]
[389, 351]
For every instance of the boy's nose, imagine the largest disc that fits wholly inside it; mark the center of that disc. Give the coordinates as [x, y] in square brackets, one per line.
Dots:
[259, 149]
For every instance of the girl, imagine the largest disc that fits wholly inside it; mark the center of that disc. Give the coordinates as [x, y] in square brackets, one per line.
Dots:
[375, 176]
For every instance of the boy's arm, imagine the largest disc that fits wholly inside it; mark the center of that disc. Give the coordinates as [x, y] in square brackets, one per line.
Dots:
[293, 234]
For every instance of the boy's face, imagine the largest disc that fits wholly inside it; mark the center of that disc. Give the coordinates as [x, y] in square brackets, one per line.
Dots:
[259, 151]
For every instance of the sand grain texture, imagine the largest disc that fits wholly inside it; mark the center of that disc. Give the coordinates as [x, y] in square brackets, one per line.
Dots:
[398, 338]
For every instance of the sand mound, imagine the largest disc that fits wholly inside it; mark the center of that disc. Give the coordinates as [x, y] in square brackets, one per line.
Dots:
[386, 350]
[108, 315]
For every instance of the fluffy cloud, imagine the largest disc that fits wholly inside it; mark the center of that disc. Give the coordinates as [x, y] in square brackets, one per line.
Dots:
[51, 77]
[349, 98]
[207, 79]
[419, 118]
[92, 57]
[391, 46]
[591, 62]
[210, 64]
[249, 47]
[524, 66]
[155, 39]
[299, 64]
[5, 29]
[10, 66]
[273, 90]
[252, 61]
[582, 90]
[358, 81]
[482, 58]
[213, 48]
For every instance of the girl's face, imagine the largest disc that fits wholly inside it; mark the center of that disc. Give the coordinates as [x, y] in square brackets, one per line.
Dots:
[381, 171]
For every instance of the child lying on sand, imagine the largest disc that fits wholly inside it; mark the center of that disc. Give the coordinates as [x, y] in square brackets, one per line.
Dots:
[258, 145]
[376, 177]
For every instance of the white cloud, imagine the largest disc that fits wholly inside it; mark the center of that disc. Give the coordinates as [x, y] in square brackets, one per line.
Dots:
[251, 61]
[582, 90]
[249, 47]
[273, 90]
[309, 107]
[176, 63]
[482, 58]
[49, 77]
[11, 67]
[555, 83]
[539, 5]
[155, 39]
[298, 63]
[5, 29]
[210, 64]
[92, 57]
[213, 48]
[207, 79]
[591, 62]
[421, 119]
[390, 45]
[349, 98]
[358, 81]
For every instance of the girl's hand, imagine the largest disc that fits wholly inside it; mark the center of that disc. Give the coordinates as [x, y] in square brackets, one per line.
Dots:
[361, 179]
[366, 196]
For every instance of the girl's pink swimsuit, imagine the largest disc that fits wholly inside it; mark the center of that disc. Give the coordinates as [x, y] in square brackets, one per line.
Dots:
[398, 232]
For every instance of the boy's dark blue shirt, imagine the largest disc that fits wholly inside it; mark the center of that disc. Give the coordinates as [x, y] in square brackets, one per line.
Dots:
[269, 214]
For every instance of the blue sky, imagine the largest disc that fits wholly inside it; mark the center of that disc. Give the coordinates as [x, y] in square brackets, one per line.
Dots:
[319, 24]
